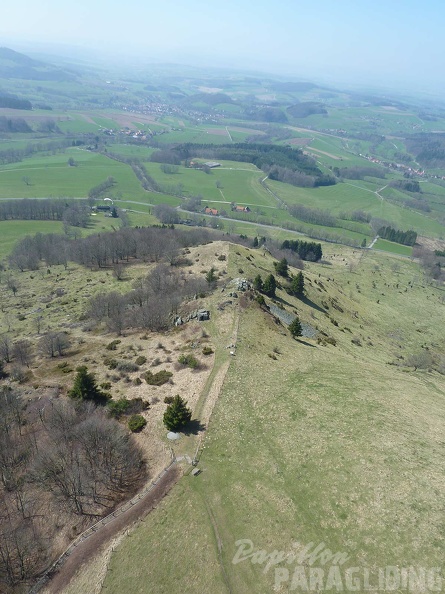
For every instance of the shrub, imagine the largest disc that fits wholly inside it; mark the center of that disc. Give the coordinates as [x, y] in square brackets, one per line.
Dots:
[168, 399]
[136, 423]
[127, 366]
[105, 385]
[141, 360]
[117, 408]
[110, 363]
[207, 350]
[189, 360]
[112, 346]
[159, 378]
[137, 381]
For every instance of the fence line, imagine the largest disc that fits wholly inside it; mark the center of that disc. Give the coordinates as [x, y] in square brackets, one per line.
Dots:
[95, 527]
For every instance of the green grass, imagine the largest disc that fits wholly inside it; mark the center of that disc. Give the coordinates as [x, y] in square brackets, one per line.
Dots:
[394, 248]
[13, 231]
[52, 177]
[305, 448]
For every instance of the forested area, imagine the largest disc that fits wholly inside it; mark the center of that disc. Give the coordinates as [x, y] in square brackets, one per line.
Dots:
[279, 162]
[60, 465]
[307, 250]
[428, 148]
[398, 236]
[13, 102]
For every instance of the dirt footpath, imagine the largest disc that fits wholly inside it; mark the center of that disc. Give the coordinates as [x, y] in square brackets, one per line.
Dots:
[95, 544]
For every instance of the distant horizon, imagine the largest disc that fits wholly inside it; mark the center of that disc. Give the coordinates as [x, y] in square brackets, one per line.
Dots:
[46, 51]
[398, 46]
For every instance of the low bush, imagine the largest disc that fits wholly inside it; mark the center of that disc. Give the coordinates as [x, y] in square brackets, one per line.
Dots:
[112, 346]
[141, 360]
[127, 366]
[159, 378]
[136, 423]
[189, 360]
[207, 350]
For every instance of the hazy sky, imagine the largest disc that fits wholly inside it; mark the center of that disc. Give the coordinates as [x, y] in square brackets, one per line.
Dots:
[379, 41]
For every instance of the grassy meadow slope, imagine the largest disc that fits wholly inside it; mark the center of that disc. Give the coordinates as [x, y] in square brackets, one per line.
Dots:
[310, 443]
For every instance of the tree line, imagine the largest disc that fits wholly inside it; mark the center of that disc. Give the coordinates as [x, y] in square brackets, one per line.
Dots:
[13, 102]
[148, 244]
[403, 237]
[14, 155]
[267, 157]
[307, 250]
[314, 216]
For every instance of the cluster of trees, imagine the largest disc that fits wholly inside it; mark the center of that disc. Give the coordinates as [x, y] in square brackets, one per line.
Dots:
[107, 249]
[297, 178]
[307, 250]
[306, 108]
[404, 237]
[359, 216]
[265, 156]
[13, 102]
[428, 148]
[140, 171]
[14, 155]
[38, 210]
[166, 214]
[433, 262]
[359, 172]
[268, 286]
[11, 125]
[151, 303]
[418, 204]
[266, 114]
[314, 216]
[56, 460]
[101, 188]
[407, 185]
[165, 156]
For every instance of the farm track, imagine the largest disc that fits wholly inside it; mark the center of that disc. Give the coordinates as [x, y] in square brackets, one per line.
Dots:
[87, 545]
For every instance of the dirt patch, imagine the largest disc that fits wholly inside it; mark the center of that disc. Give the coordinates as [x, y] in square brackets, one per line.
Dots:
[335, 157]
[299, 141]
[430, 243]
[217, 131]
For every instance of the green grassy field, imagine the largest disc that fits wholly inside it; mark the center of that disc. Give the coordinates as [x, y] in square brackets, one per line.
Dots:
[394, 248]
[328, 445]
[52, 176]
[13, 231]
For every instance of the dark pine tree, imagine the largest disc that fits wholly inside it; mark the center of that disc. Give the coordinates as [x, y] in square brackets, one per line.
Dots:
[297, 285]
[295, 328]
[270, 285]
[177, 414]
[86, 388]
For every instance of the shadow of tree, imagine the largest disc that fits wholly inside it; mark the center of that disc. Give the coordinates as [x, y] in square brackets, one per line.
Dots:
[193, 427]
